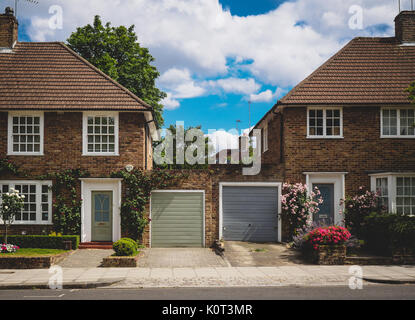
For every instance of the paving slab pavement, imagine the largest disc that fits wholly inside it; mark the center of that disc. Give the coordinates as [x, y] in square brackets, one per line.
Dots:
[85, 258]
[205, 277]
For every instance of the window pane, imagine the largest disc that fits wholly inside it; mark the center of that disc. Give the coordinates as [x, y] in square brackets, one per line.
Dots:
[100, 134]
[315, 123]
[389, 120]
[405, 195]
[26, 125]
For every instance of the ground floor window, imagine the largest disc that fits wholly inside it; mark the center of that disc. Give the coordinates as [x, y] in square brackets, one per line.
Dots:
[396, 190]
[37, 202]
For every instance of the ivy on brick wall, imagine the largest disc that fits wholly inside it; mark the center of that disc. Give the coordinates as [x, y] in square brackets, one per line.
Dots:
[138, 186]
[7, 166]
[67, 203]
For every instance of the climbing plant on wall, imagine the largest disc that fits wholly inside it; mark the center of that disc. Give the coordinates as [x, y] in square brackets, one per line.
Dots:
[138, 185]
[7, 166]
[67, 202]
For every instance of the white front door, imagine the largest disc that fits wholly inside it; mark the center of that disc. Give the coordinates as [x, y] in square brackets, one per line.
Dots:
[100, 213]
[331, 185]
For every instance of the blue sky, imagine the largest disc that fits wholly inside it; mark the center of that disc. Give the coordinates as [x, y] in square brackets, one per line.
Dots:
[216, 55]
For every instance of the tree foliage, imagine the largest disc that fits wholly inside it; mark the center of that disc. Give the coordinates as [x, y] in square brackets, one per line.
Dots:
[116, 52]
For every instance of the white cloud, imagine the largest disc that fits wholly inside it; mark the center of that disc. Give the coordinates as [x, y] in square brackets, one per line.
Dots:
[224, 139]
[264, 96]
[235, 85]
[267, 95]
[180, 83]
[197, 38]
[170, 103]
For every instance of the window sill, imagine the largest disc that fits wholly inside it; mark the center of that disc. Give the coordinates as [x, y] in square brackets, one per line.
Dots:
[397, 137]
[31, 223]
[100, 154]
[323, 137]
[26, 154]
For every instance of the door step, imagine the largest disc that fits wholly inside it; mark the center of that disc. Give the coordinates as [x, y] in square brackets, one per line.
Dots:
[95, 245]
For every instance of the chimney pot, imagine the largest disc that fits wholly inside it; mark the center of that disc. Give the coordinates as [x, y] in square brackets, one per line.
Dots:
[405, 27]
[8, 29]
[9, 11]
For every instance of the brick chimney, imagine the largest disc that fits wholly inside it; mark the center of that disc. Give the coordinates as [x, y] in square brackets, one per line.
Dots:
[8, 29]
[405, 27]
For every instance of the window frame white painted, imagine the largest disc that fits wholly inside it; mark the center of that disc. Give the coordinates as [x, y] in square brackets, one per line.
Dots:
[392, 192]
[89, 185]
[28, 113]
[39, 184]
[398, 123]
[181, 191]
[85, 116]
[324, 136]
[265, 138]
[250, 184]
[338, 179]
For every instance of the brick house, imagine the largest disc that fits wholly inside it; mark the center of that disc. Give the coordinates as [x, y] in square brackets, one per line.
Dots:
[348, 124]
[57, 112]
[351, 124]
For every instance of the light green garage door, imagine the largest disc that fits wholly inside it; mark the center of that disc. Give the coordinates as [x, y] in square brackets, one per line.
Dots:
[176, 219]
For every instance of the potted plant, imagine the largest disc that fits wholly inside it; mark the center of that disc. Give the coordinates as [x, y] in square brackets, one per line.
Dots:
[327, 245]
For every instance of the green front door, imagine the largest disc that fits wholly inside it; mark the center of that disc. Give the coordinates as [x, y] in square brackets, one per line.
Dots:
[102, 216]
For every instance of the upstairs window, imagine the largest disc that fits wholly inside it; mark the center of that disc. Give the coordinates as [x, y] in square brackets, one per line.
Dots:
[325, 123]
[100, 135]
[398, 122]
[25, 133]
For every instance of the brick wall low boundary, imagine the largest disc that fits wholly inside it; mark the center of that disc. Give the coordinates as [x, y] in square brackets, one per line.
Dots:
[39, 262]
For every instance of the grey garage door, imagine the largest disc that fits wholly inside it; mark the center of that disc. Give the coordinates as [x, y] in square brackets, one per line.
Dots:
[250, 213]
[176, 219]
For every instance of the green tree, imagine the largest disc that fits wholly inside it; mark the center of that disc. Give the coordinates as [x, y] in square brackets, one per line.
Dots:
[116, 52]
[411, 91]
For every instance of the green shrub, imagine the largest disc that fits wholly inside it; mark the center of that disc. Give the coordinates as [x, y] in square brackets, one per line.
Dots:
[42, 241]
[124, 247]
[384, 232]
[131, 241]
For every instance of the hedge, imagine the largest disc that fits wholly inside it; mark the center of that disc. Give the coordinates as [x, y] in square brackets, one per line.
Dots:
[386, 232]
[40, 241]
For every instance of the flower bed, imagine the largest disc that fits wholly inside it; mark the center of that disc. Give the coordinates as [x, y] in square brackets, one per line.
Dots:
[326, 245]
[8, 248]
[32, 258]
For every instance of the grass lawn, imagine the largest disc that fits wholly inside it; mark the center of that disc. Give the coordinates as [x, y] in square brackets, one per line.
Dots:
[28, 252]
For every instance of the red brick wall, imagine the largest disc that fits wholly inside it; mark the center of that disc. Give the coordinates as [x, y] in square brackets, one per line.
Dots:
[362, 150]
[63, 150]
[8, 30]
[405, 26]
[63, 145]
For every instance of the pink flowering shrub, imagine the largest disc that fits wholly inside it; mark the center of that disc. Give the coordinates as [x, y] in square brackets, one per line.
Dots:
[8, 248]
[298, 204]
[358, 207]
[333, 235]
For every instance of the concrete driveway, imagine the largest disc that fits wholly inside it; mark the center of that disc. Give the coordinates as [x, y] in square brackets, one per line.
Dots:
[248, 254]
[180, 258]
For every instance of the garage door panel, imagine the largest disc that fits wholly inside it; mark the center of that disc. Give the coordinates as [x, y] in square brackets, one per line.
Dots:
[250, 213]
[177, 219]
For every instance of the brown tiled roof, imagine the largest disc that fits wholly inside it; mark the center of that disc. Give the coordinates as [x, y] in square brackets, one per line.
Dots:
[365, 71]
[50, 76]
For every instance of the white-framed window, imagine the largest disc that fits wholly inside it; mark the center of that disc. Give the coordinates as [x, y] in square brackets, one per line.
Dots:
[397, 122]
[37, 202]
[100, 134]
[405, 195]
[397, 191]
[25, 133]
[265, 138]
[382, 188]
[324, 122]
